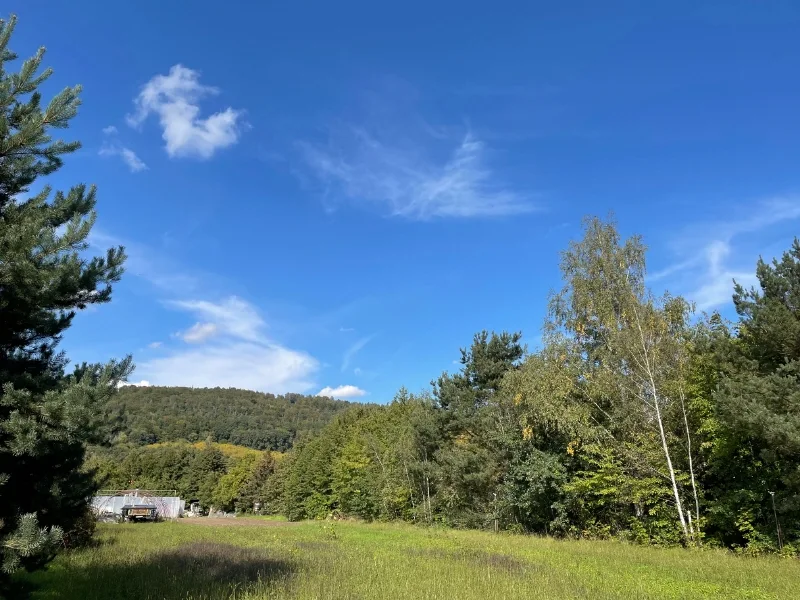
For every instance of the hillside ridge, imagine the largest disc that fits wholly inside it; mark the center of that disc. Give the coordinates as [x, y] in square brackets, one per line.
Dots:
[258, 420]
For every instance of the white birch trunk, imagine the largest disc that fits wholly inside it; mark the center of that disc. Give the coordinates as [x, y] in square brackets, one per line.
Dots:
[648, 367]
[669, 461]
[691, 465]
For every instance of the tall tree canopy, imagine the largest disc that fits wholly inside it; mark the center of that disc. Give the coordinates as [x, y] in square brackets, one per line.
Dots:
[635, 419]
[757, 399]
[45, 277]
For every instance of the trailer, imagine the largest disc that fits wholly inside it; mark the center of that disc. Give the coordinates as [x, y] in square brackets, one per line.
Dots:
[137, 505]
[139, 512]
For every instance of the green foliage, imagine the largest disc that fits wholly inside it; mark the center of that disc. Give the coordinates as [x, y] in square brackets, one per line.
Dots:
[757, 409]
[46, 418]
[634, 420]
[258, 486]
[29, 540]
[228, 491]
[604, 499]
[228, 481]
[147, 415]
[420, 458]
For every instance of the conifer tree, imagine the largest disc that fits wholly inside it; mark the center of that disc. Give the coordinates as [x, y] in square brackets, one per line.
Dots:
[758, 406]
[46, 418]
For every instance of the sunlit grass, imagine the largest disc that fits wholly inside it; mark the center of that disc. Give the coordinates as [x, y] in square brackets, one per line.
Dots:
[349, 560]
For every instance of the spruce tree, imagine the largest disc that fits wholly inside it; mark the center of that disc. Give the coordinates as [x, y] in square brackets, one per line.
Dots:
[46, 418]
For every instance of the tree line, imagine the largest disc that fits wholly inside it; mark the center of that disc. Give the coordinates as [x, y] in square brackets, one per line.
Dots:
[636, 418]
[148, 415]
[219, 476]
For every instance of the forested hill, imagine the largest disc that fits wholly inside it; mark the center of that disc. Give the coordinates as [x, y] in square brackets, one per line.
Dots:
[146, 415]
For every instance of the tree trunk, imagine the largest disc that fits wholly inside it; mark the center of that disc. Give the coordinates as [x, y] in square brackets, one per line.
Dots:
[691, 465]
[428, 488]
[648, 367]
[669, 461]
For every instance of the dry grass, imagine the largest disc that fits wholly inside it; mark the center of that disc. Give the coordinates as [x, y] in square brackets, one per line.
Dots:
[229, 450]
[356, 561]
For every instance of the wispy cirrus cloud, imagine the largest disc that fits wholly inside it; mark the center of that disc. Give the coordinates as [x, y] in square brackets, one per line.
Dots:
[128, 156]
[175, 99]
[406, 180]
[150, 265]
[704, 272]
[114, 148]
[354, 349]
[716, 285]
[342, 392]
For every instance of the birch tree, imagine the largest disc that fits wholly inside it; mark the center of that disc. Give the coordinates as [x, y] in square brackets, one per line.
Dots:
[628, 341]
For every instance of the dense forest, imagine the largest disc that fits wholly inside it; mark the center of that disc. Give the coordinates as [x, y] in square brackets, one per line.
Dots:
[220, 476]
[213, 445]
[146, 415]
[635, 419]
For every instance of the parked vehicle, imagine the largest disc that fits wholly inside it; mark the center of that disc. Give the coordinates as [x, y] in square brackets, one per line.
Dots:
[139, 512]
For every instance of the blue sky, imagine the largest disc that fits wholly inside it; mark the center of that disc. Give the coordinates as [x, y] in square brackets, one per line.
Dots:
[336, 196]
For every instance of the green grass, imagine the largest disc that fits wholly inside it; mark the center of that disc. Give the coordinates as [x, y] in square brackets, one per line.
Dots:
[356, 561]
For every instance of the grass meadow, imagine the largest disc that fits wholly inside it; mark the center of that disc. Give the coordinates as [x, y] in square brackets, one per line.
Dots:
[260, 559]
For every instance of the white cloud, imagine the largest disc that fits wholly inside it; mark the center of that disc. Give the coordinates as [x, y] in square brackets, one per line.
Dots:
[342, 392]
[175, 98]
[110, 130]
[154, 345]
[706, 276]
[353, 350]
[404, 180]
[357, 371]
[717, 286]
[236, 352]
[233, 316]
[240, 355]
[142, 383]
[199, 332]
[129, 157]
[254, 366]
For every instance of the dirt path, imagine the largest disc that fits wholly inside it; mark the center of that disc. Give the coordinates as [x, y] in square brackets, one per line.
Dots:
[233, 522]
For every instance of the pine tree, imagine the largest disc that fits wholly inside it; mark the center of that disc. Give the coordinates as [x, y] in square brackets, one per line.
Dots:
[470, 463]
[45, 417]
[758, 406]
